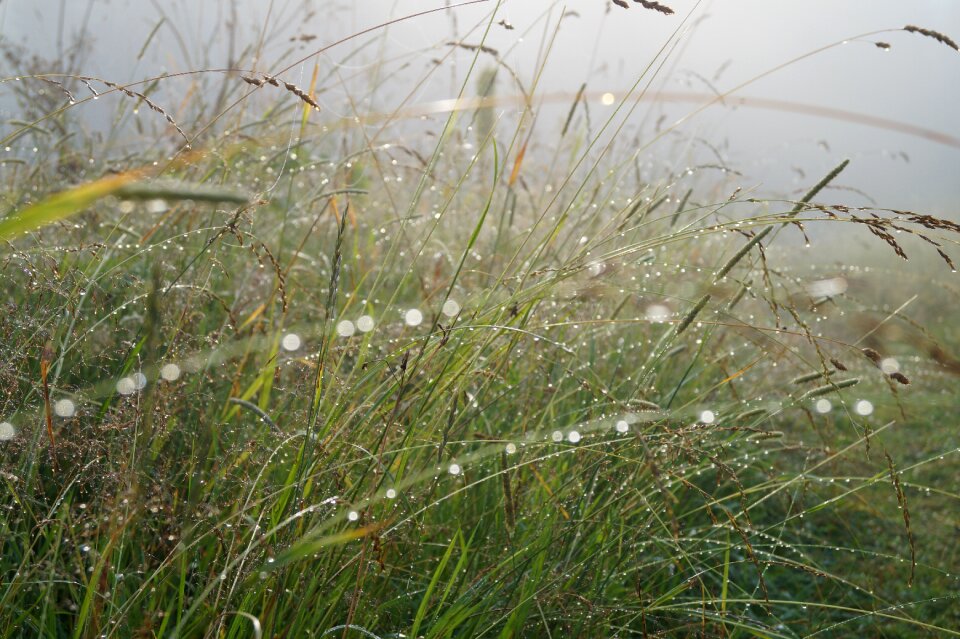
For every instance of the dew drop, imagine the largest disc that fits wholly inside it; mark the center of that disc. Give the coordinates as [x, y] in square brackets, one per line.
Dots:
[346, 328]
[170, 372]
[413, 317]
[890, 366]
[64, 408]
[291, 342]
[450, 308]
[658, 313]
[157, 206]
[365, 323]
[126, 386]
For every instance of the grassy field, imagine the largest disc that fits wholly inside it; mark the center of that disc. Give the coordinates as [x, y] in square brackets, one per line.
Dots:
[458, 374]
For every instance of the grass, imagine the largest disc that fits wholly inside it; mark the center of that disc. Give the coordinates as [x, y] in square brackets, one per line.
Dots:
[309, 377]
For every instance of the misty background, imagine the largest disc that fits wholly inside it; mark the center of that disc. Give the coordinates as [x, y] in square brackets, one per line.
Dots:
[781, 133]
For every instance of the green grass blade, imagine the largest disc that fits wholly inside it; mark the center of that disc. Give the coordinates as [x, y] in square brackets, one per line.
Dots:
[422, 610]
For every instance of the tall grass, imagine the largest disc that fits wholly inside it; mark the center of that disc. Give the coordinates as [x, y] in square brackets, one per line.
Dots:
[458, 373]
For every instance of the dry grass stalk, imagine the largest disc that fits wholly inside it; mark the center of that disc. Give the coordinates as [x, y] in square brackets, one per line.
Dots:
[86, 83]
[646, 4]
[930, 33]
[900, 378]
[655, 6]
[474, 47]
[751, 555]
[139, 96]
[60, 86]
[902, 500]
[879, 226]
[946, 258]
[877, 361]
[288, 86]
[46, 358]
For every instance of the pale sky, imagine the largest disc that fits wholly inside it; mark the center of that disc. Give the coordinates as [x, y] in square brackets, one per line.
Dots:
[914, 83]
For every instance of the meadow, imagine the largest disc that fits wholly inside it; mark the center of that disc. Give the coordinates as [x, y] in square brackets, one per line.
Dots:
[464, 369]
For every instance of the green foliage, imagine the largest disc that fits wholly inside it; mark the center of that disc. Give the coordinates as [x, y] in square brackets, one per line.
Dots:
[343, 384]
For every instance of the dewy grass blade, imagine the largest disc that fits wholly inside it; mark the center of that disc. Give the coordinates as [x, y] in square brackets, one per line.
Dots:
[456, 358]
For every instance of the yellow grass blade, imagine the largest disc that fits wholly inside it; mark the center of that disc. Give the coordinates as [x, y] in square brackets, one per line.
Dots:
[63, 205]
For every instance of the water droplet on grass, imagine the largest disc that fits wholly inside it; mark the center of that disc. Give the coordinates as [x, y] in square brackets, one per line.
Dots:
[863, 407]
[365, 323]
[64, 408]
[291, 342]
[346, 328]
[450, 308]
[126, 386]
[7, 431]
[828, 288]
[658, 313]
[413, 317]
[823, 406]
[157, 206]
[170, 372]
[454, 469]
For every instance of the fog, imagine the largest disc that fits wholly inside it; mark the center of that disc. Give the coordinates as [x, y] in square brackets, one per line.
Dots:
[880, 108]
